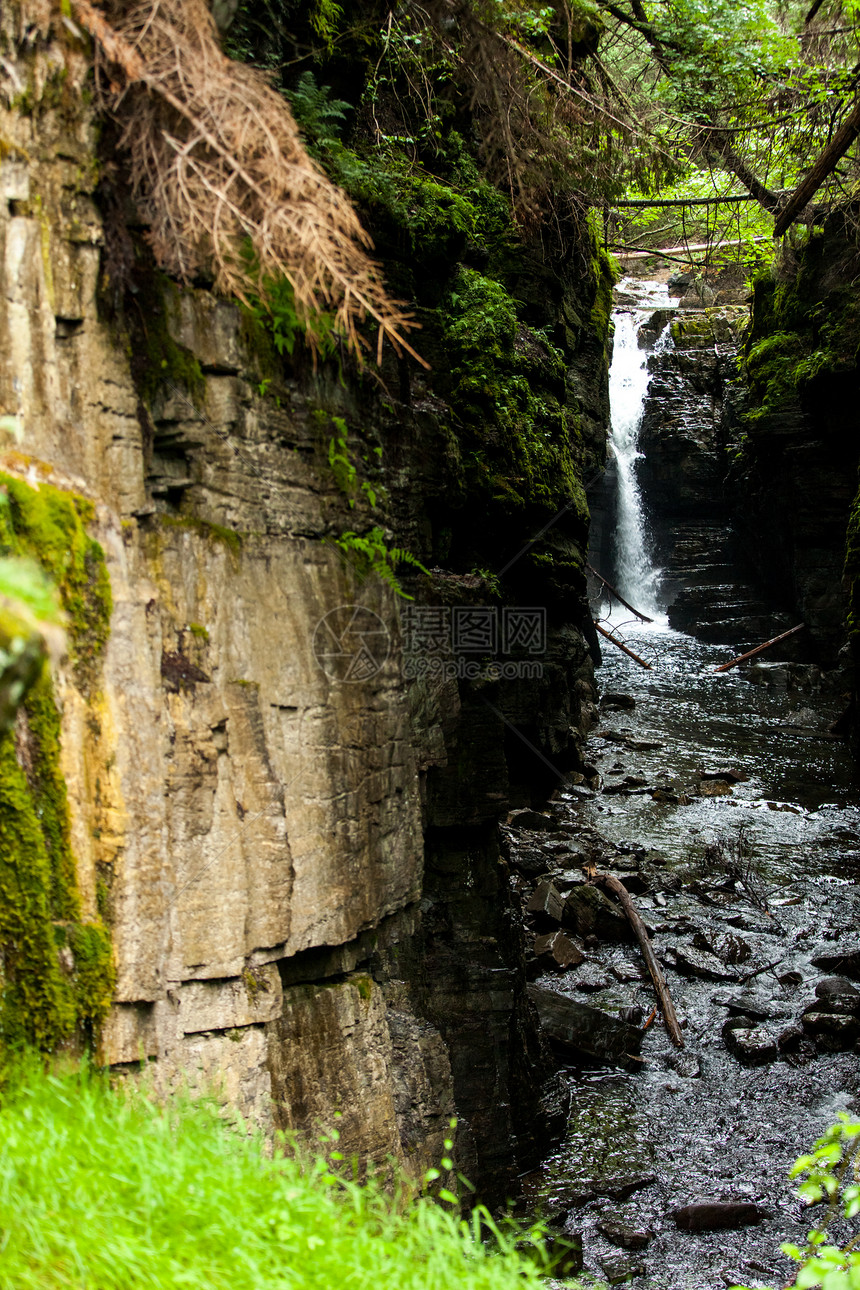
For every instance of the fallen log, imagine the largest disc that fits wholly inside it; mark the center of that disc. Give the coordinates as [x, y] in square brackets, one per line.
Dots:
[624, 649]
[617, 594]
[607, 881]
[759, 649]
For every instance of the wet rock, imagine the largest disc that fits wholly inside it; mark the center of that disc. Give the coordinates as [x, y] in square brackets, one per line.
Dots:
[714, 788]
[724, 946]
[665, 795]
[555, 950]
[751, 1044]
[644, 745]
[590, 913]
[633, 1014]
[580, 792]
[626, 973]
[749, 1005]
[753, 922]
[621, 702]
[617, 1269]
[588, 1030]
[635, 883]
[592, 978]
[700, 963]
[716, 1215]
[790, 978]
[840, 1027]
[628, 1238]
[730, 776]
[546, 903]
[789, 1040]
[528, 860]
[845, 961]
[678, 283]
[837, 994]
[533, 820]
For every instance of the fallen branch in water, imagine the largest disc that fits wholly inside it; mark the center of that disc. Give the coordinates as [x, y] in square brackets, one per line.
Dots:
[624, 649]
[618, 889]
[766, 967]
[759, 648]
[618, 596]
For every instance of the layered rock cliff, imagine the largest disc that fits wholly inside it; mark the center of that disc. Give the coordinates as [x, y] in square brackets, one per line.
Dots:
[287, 840]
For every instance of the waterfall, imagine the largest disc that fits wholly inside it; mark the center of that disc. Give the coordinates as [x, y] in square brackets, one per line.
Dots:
[638, 579]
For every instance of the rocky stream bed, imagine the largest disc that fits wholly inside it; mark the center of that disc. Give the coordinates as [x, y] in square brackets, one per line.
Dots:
[731, 814]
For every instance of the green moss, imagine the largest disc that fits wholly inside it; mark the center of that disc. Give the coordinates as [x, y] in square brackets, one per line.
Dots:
[39, 906]
[211, 532]
[94, 974]
[163, 361]
[39, 902]
[364, 986]
[424, 215]
[37, 1005]
[48, 794]
[199, 631]
[507, 383]
[50, 525]
[802, 329]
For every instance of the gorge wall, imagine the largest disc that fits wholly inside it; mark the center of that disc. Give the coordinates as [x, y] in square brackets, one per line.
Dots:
[271, 861]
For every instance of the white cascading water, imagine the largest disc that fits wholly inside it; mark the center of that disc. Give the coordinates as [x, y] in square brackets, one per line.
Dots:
[637, 577]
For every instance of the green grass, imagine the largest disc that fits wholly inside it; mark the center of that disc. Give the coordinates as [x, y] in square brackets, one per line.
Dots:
[104, 1190]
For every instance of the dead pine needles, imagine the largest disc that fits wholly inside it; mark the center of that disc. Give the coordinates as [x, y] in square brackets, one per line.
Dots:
[221, 176]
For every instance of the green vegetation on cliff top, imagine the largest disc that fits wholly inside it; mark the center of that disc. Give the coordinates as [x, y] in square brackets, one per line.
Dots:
[106, 1190]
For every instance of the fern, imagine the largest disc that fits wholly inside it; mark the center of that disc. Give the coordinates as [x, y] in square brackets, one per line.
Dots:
[370, 556]
[319, 117]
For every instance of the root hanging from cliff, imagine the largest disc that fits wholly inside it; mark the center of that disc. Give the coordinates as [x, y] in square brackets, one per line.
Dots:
[222, 178]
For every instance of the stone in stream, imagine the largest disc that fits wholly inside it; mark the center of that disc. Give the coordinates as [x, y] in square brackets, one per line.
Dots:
[555, 950]
[753, 1006]
[590, 913]
[715, 1215]
[846, 961]
[627, 973]
[730, 776]
[837, 994]
[714, 788]
[724, 946]
[617, 1269]
[533, 820]
[546, 903]
[628, 1238]
[694, 962]
[836, 1030]
[625, 702]
[529, 860]
[750, 1043]
[591, 978]
[589, 1030]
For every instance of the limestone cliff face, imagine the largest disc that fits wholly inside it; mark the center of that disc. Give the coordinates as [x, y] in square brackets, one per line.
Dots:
[247, 809]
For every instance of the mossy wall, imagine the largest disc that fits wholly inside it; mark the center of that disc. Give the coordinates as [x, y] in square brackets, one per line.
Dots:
[798, 447]
[57, 970]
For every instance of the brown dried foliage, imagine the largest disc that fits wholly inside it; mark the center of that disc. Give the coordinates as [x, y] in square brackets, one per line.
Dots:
[221, 176]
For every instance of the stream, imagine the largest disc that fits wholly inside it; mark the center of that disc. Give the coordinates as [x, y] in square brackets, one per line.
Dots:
[733, 817]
